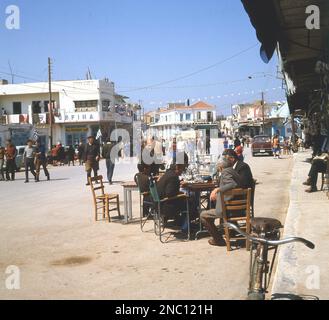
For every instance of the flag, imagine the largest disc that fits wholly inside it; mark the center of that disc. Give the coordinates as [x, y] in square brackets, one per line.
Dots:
[35, 134]
[99, 134]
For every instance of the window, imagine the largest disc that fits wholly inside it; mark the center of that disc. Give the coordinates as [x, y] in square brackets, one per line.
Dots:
[188, 117]
[17, 108]
[199, 115]
[46, 105]
[87, 105]
[106, 105]
[181, 117]
[36, 107]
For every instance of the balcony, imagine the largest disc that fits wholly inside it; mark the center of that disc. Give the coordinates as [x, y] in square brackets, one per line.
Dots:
[15, 119]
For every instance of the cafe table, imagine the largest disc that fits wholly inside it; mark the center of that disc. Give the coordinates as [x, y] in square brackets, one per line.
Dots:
[128, 189]
[199, 188]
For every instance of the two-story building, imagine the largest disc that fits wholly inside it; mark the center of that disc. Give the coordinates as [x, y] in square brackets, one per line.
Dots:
[177, 118]
[80, 108]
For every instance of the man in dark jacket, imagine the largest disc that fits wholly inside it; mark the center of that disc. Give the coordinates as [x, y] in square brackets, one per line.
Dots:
[110, 159]
[242, 168]
[91, 157]
[229, 180]
[11, 153]
[169, 187]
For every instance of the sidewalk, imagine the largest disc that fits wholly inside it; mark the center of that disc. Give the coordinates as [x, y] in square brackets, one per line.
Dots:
[302, 271]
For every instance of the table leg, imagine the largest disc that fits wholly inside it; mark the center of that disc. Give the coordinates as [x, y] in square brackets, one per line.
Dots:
[130, 199]
[125, 204]
[201, 230]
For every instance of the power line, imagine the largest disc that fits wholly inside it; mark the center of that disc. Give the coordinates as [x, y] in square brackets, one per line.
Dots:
[195, 72]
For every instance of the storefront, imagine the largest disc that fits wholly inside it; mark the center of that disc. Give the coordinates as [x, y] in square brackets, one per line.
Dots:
[75, 134]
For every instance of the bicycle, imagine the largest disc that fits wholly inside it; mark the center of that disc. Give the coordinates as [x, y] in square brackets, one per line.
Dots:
[265, 237]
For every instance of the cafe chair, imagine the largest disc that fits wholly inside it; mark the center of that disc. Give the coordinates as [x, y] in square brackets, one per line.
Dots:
[253, 193]
[159, 221]
[145, 202]
[104, 203]
[237, 211]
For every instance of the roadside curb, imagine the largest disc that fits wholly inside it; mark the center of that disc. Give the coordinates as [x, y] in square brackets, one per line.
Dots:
[307, 217]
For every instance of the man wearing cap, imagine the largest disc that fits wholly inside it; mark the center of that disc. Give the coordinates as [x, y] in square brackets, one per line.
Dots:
[91, 158]
[229, 180]
[110, 159]
[242, 168]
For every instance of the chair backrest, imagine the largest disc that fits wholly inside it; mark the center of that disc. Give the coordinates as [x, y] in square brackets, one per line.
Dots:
[240, 201]
[154, 191]
[95, 189]
[137, 181]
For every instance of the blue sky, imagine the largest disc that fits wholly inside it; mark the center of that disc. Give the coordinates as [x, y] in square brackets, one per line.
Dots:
[141, 43]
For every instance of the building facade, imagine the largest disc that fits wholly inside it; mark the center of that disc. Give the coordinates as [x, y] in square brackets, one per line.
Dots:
[80, 108]
[175, 119]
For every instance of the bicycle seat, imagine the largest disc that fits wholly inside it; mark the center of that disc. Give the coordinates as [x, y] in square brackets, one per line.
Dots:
[265, 225]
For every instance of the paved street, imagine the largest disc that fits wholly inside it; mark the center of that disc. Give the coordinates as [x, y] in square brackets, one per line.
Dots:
[48, 231]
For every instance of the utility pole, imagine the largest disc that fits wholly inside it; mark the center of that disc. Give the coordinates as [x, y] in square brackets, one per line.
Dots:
[263, 111]
[50, 106]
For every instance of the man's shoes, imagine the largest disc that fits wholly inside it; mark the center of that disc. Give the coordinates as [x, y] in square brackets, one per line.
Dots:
[218, 243]
[26, 181]
[311, 190]
[88, 184]
[307, 183]
[48, 178]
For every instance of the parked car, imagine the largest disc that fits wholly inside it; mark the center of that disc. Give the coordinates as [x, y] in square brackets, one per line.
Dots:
[19, 158]
[262, 145]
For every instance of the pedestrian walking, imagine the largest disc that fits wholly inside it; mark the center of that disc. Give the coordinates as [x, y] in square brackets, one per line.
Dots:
[208, 144]
[81, 150]
[91, 158]
[41, 160]
[28, 159]
[70, 154]
[10, 154]
[276, 147]
[2, 162]
[110, 159]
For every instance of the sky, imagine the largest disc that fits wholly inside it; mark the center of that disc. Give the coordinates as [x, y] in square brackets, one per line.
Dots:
[154, 51]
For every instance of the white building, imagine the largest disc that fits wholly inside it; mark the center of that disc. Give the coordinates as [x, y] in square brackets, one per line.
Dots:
[80, 108]
[177, 118]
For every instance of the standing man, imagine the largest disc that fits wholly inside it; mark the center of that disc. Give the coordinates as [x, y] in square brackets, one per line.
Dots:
[276, 147]
[208, 145]
[41, 160]
[10, 153]
[28, 158]
[2, 162]
[110, 162]
[81, 150]
[91, 157]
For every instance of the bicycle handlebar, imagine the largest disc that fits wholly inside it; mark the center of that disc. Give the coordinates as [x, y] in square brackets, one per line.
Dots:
[275, 243]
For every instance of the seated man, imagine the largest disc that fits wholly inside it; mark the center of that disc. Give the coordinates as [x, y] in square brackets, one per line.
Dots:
[229, 180]
[241, 168]
[169, 187]
[319, 165]
[142, 179]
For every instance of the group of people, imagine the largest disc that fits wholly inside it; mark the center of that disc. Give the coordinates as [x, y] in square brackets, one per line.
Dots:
[237, 145]
[61, 156]
[320, 159]
[234, 173]
[34, 157]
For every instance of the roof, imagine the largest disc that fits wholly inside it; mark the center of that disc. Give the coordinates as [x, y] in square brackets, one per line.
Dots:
[199, 106]
[283, 22]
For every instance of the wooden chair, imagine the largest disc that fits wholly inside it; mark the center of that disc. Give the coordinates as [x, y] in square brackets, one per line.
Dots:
[102, 201]
[238, 211]
[253, 193]
[325, 182]
[144, 201]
